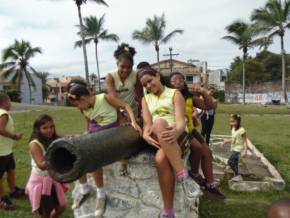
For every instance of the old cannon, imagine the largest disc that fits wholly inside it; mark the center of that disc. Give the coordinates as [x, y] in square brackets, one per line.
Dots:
[70, 158]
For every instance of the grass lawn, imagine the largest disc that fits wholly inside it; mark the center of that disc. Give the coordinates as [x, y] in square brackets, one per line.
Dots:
[267, 127]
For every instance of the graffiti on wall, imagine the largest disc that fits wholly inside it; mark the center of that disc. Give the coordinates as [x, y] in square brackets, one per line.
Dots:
[262, 98]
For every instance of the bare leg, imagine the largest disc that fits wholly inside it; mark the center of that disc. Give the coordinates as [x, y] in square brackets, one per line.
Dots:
[166, 178]
[99, 178]
[1, 188]
[83, 179]
[172, 151]
[195, 156]
[11, 180]
[57, 212]
[206, 163]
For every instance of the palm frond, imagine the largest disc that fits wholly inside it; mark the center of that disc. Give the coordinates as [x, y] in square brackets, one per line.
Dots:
[143, 36]
[3, 66]
[170, 35]
[109, 37]
[101, 2]
[232, 39]
[79, 43]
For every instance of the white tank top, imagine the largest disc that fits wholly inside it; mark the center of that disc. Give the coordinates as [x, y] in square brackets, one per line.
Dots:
[34, 166]
[126, 91]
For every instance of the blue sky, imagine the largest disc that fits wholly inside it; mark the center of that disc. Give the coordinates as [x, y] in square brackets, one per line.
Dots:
[51, 26]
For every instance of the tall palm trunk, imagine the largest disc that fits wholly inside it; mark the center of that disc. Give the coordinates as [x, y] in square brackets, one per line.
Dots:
[158, 58]
[83, 44]
[98, 67]
[284, 91]
[244, 77]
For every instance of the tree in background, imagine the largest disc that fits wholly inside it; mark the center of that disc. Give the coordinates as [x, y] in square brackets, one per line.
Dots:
[274, 18]
[154, 32]
[244, 35]
[16, 65]
[79, 3]
[94, 31]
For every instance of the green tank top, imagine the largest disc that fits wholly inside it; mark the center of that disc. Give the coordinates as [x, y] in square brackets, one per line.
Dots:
[102, 113]
[6, 143]
[126, 91]
[162, 106]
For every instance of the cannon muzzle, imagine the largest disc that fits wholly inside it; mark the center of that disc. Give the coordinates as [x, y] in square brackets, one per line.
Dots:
[70, 158]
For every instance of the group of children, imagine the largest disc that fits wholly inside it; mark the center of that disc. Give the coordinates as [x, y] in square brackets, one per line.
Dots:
[167, 124]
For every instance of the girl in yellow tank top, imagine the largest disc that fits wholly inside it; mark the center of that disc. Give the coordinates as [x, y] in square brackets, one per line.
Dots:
[163, 111]
[200, 151]
[101, 113]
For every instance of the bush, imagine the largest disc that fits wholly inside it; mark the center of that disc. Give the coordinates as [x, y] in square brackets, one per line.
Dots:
[220, 95]
[13, 94]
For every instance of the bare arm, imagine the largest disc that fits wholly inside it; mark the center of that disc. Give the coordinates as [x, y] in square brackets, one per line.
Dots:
[111, 85]
[139, 90]
[206, 102]
[245, 142]
[37, 156]
[3, 123]
[179, 105]
[147, 125]
[117, 103]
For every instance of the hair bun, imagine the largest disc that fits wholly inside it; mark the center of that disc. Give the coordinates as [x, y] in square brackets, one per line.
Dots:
[124, 48]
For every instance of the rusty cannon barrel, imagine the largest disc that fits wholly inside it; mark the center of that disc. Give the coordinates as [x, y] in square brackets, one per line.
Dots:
[70, 158]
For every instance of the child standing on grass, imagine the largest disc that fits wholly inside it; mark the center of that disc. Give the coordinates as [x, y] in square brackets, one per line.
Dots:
[46, 195]
[239, 145]
[100, 112]
[7, 162]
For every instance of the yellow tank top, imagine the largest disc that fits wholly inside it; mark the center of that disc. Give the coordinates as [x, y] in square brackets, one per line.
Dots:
[126, 91]
[6, 143]
[162, 106]
[189, 113]
[34, 166]
[102, 113]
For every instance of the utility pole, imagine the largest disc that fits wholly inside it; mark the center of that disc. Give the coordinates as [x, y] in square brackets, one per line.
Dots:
[170, 57]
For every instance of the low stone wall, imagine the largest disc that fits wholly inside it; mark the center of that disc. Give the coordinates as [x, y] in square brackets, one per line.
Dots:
[136, 195]
[263, 175]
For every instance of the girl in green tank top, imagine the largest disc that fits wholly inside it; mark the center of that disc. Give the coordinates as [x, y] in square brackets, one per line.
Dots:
[124, 83]
[100, 112]
[163, 111]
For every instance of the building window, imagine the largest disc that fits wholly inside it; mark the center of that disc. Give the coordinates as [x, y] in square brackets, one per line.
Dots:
[189, 79]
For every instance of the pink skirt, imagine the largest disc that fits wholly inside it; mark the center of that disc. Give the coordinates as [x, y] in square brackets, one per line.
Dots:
[38, 186]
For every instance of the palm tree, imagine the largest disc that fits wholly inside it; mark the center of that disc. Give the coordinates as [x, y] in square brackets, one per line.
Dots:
[244, 35]
[94, 32]
[274, 18]
[16, 63]
[154, 32]
[79, 4]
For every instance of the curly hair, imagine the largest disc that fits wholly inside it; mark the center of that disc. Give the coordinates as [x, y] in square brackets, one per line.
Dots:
[125, 51]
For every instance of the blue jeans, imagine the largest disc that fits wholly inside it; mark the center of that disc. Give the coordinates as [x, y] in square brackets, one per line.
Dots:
[233, 162]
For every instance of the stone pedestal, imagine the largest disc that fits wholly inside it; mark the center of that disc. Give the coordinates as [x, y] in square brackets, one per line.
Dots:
[135, 195]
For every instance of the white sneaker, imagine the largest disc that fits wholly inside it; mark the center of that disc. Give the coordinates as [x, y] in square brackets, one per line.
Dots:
[238, 178]
[81, 198]
[100, 207]
[190, 188]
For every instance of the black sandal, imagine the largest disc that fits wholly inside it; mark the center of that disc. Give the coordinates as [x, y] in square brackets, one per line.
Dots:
[6, 203]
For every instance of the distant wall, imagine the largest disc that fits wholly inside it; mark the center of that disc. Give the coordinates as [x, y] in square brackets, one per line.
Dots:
[255, 93]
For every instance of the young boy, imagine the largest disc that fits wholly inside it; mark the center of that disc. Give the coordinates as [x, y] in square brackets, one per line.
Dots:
[7, 162]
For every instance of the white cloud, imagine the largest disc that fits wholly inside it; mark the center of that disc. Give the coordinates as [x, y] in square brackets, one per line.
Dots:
[50, 25]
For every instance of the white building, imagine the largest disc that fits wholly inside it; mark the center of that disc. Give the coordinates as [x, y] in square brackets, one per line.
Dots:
[217, 78]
